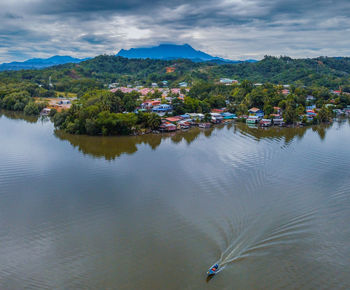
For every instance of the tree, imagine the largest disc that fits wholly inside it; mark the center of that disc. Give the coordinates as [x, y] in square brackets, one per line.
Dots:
[289, 115]
[153, 121]
[32, 109]
[325, 114]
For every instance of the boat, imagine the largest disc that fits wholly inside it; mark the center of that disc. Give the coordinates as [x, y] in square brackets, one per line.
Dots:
[213, 270]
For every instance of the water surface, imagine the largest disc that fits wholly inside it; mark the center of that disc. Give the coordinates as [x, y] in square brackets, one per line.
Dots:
[154, 212]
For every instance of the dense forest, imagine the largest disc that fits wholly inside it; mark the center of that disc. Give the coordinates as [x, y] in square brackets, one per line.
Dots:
[96, 73]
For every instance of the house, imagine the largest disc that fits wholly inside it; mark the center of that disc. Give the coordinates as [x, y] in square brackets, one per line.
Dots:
[64, 102]
[253, 119]
[285, 92]
[183, 85]
[185, 116]
[45, 111]
[154, 85]
[226, 81]
[256, 112]
[310, 113]
[167, 127]
[278, 121]
[195, 116]
[265, 122]
[150, 104]
[170, 69]
[216, 118]
[310, 98]
[227, 116]
[162, 108]
[204, 125]
[217, 110]
[173, 119]
[310, 108]
[278, 110]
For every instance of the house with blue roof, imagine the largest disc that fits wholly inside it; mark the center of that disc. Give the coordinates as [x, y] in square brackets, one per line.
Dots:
[162, 108]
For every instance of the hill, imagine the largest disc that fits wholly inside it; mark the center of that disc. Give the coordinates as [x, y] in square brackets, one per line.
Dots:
[102, 70]
[38, 63]
[170, 51]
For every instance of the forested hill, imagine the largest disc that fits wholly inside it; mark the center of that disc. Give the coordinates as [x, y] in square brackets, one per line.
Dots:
[97, 72]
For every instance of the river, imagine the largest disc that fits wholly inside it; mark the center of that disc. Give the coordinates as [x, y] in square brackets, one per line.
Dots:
[272, 206]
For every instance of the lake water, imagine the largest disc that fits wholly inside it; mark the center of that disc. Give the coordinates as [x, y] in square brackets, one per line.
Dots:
[156, 211]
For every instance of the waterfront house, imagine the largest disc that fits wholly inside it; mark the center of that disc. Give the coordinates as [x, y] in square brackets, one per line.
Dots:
[256, 112]
[196, 116]
[216, 118]
[173, 119]
[265, 122]
[278, 121]
[204, 125]
[228, 115]
[167, 127]
[45, 111]
[253, 119]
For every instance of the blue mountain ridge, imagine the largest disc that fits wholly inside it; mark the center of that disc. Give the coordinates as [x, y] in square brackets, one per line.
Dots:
[38, 63]
[173, 51]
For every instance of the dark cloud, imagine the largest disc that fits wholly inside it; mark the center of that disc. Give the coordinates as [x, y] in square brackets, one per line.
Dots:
[229, 28]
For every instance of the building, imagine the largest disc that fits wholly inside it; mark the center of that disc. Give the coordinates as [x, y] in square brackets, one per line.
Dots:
[310, 98]
[256, 112]
[170, 69]
[226, 81]
[162, 108]
[45, 111]
[285, 92]
[183, 85]
[64, 102]
[278, 110]
[253, 119]
[150, 104]
[216, 118]
[278, 121]
[228, 116]
[169, 127]
[173, 119]
[265, 122]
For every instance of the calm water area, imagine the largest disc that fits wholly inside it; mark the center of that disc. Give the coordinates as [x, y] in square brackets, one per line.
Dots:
[271, 206]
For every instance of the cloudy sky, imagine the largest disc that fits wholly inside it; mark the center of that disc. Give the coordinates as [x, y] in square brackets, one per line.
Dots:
[235, 29]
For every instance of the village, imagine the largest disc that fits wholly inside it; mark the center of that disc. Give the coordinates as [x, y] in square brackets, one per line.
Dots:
[159, 100]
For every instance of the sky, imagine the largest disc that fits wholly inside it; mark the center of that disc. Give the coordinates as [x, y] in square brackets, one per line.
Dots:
[233, 29]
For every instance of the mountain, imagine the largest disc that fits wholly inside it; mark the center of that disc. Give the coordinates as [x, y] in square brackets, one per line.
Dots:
[172, 51]
[38, 63]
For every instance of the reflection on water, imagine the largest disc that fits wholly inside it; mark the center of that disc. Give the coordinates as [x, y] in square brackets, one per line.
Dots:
[112, 147]
[18, 116]
[270, 205]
